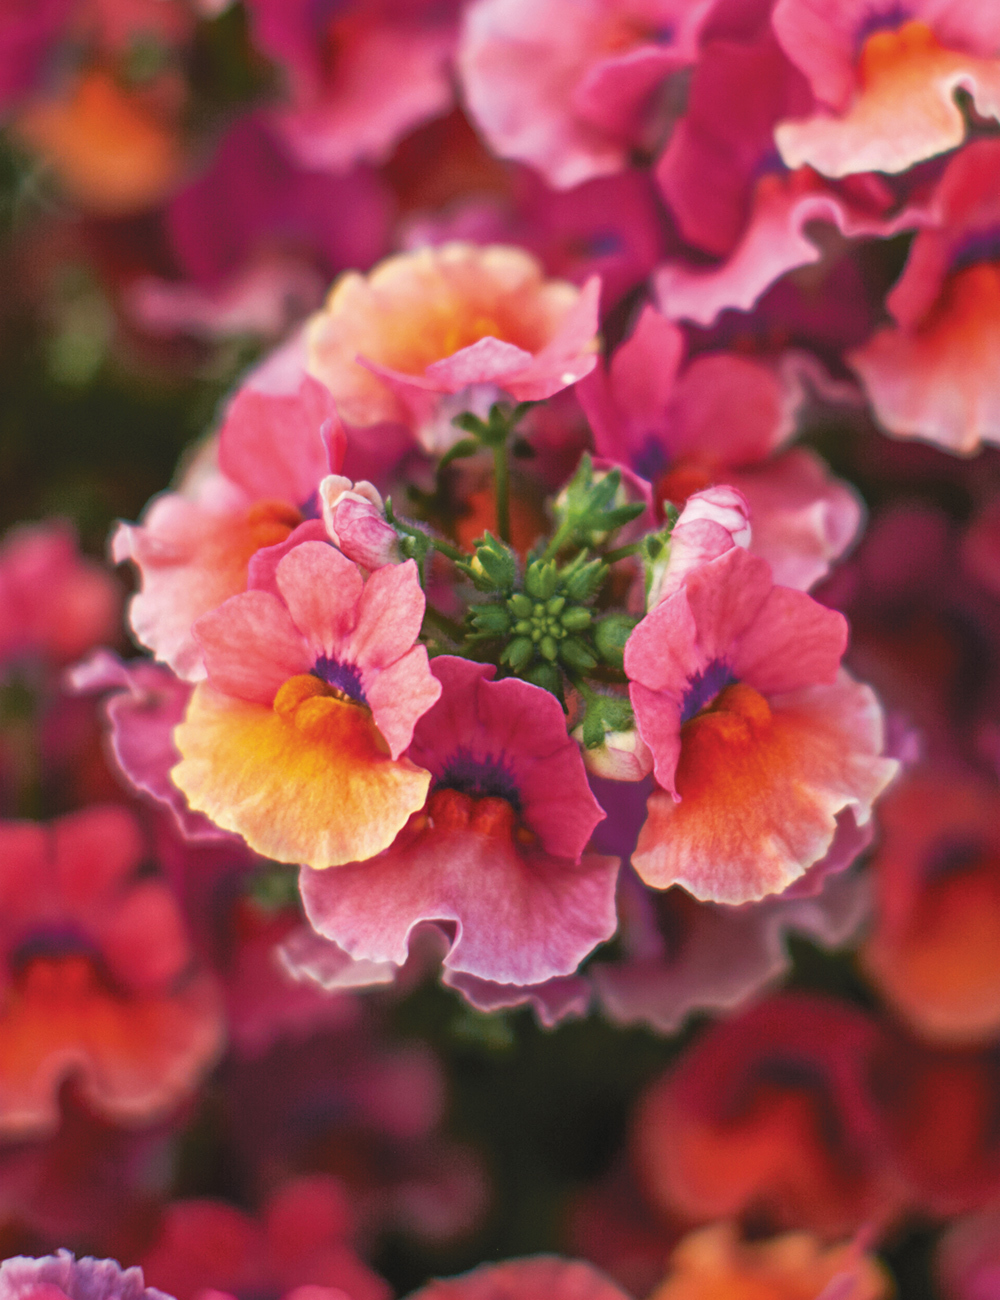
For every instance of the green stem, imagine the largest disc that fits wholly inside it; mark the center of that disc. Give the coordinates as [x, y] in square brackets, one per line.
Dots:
[558, 541]
[621, 553]
[501, 478]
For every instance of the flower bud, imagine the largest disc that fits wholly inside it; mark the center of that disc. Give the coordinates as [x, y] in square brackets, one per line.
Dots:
[711, 523]
[355, 522]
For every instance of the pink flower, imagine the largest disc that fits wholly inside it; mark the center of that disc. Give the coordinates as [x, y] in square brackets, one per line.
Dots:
[886, 77]
[758, 740]
[434, 332]
[295, 741]
[358, 77]
[194, 546]
[61, 1277]
[97, 973]
[55, 603]
[496, 854]
[721, 418]
[301, 1246]
[932, 374]
[570, 87]
[711, 523]
[355, 521]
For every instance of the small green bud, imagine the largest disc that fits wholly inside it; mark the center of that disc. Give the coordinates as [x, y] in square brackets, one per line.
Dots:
[610, 636]
[575, 655]
[521, 605]
[518, 653]
[541, 580]
[491, 618]
[497, 562]
[586, 581]
[576, 618]
[593, 727]
[555, 605]
[548, 647]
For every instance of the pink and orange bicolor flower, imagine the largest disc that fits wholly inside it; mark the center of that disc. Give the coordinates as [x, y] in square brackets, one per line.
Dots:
[296, 739]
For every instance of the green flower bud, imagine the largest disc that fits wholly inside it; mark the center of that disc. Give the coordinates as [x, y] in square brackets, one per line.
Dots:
[576, 618]
[610, 636]
[575, 655]
[518, 653]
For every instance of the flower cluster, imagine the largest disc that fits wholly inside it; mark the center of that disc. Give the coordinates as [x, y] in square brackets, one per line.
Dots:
[583, 594]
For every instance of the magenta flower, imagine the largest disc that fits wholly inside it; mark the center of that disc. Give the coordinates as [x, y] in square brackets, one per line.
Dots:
[759, 741]
[296, 740]
[496, 857]
[354, 515]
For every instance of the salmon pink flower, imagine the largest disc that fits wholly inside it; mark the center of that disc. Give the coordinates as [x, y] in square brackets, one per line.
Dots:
[495, 857]
[295, 740]
[434, 332]
[885, 76]
[98, 975]
[758, 741]
[61, 1277]
[571, 87]
[194, 546]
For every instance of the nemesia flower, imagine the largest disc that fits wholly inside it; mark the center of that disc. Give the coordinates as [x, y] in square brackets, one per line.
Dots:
[931, 375]
[99, 976]
[885, 76]
[571, 87]
[193, 547]
[434, 332]
[933, 949]
[301, 1240]
[497, 854]
[114, 151]
[357, 77]
[794, 1266]
[721, 418]
[774, 240]
[313, 690]
[525, 1279]
[737, 690]
[354, 515]
[61, 1277]
[770, 1113]
[55, 603]
[147, 703]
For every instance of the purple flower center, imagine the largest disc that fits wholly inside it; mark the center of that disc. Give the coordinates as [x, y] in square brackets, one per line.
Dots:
[479, 777]
[977, 246]
[951, 856]
[881, 18]
[51, 942]
[704, 687]
[342, 677]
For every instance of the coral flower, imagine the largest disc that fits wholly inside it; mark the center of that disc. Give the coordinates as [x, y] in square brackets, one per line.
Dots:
[61, 1277]
[194, 546]
[770, 1113]
[759, 744]
[886, 80]
[432, 332]
[313, 691]
[97, 975]
[794, 1266]
[935, 948]
[496, 855]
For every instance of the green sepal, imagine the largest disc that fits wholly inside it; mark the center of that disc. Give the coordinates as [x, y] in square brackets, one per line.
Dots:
[610, 636]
